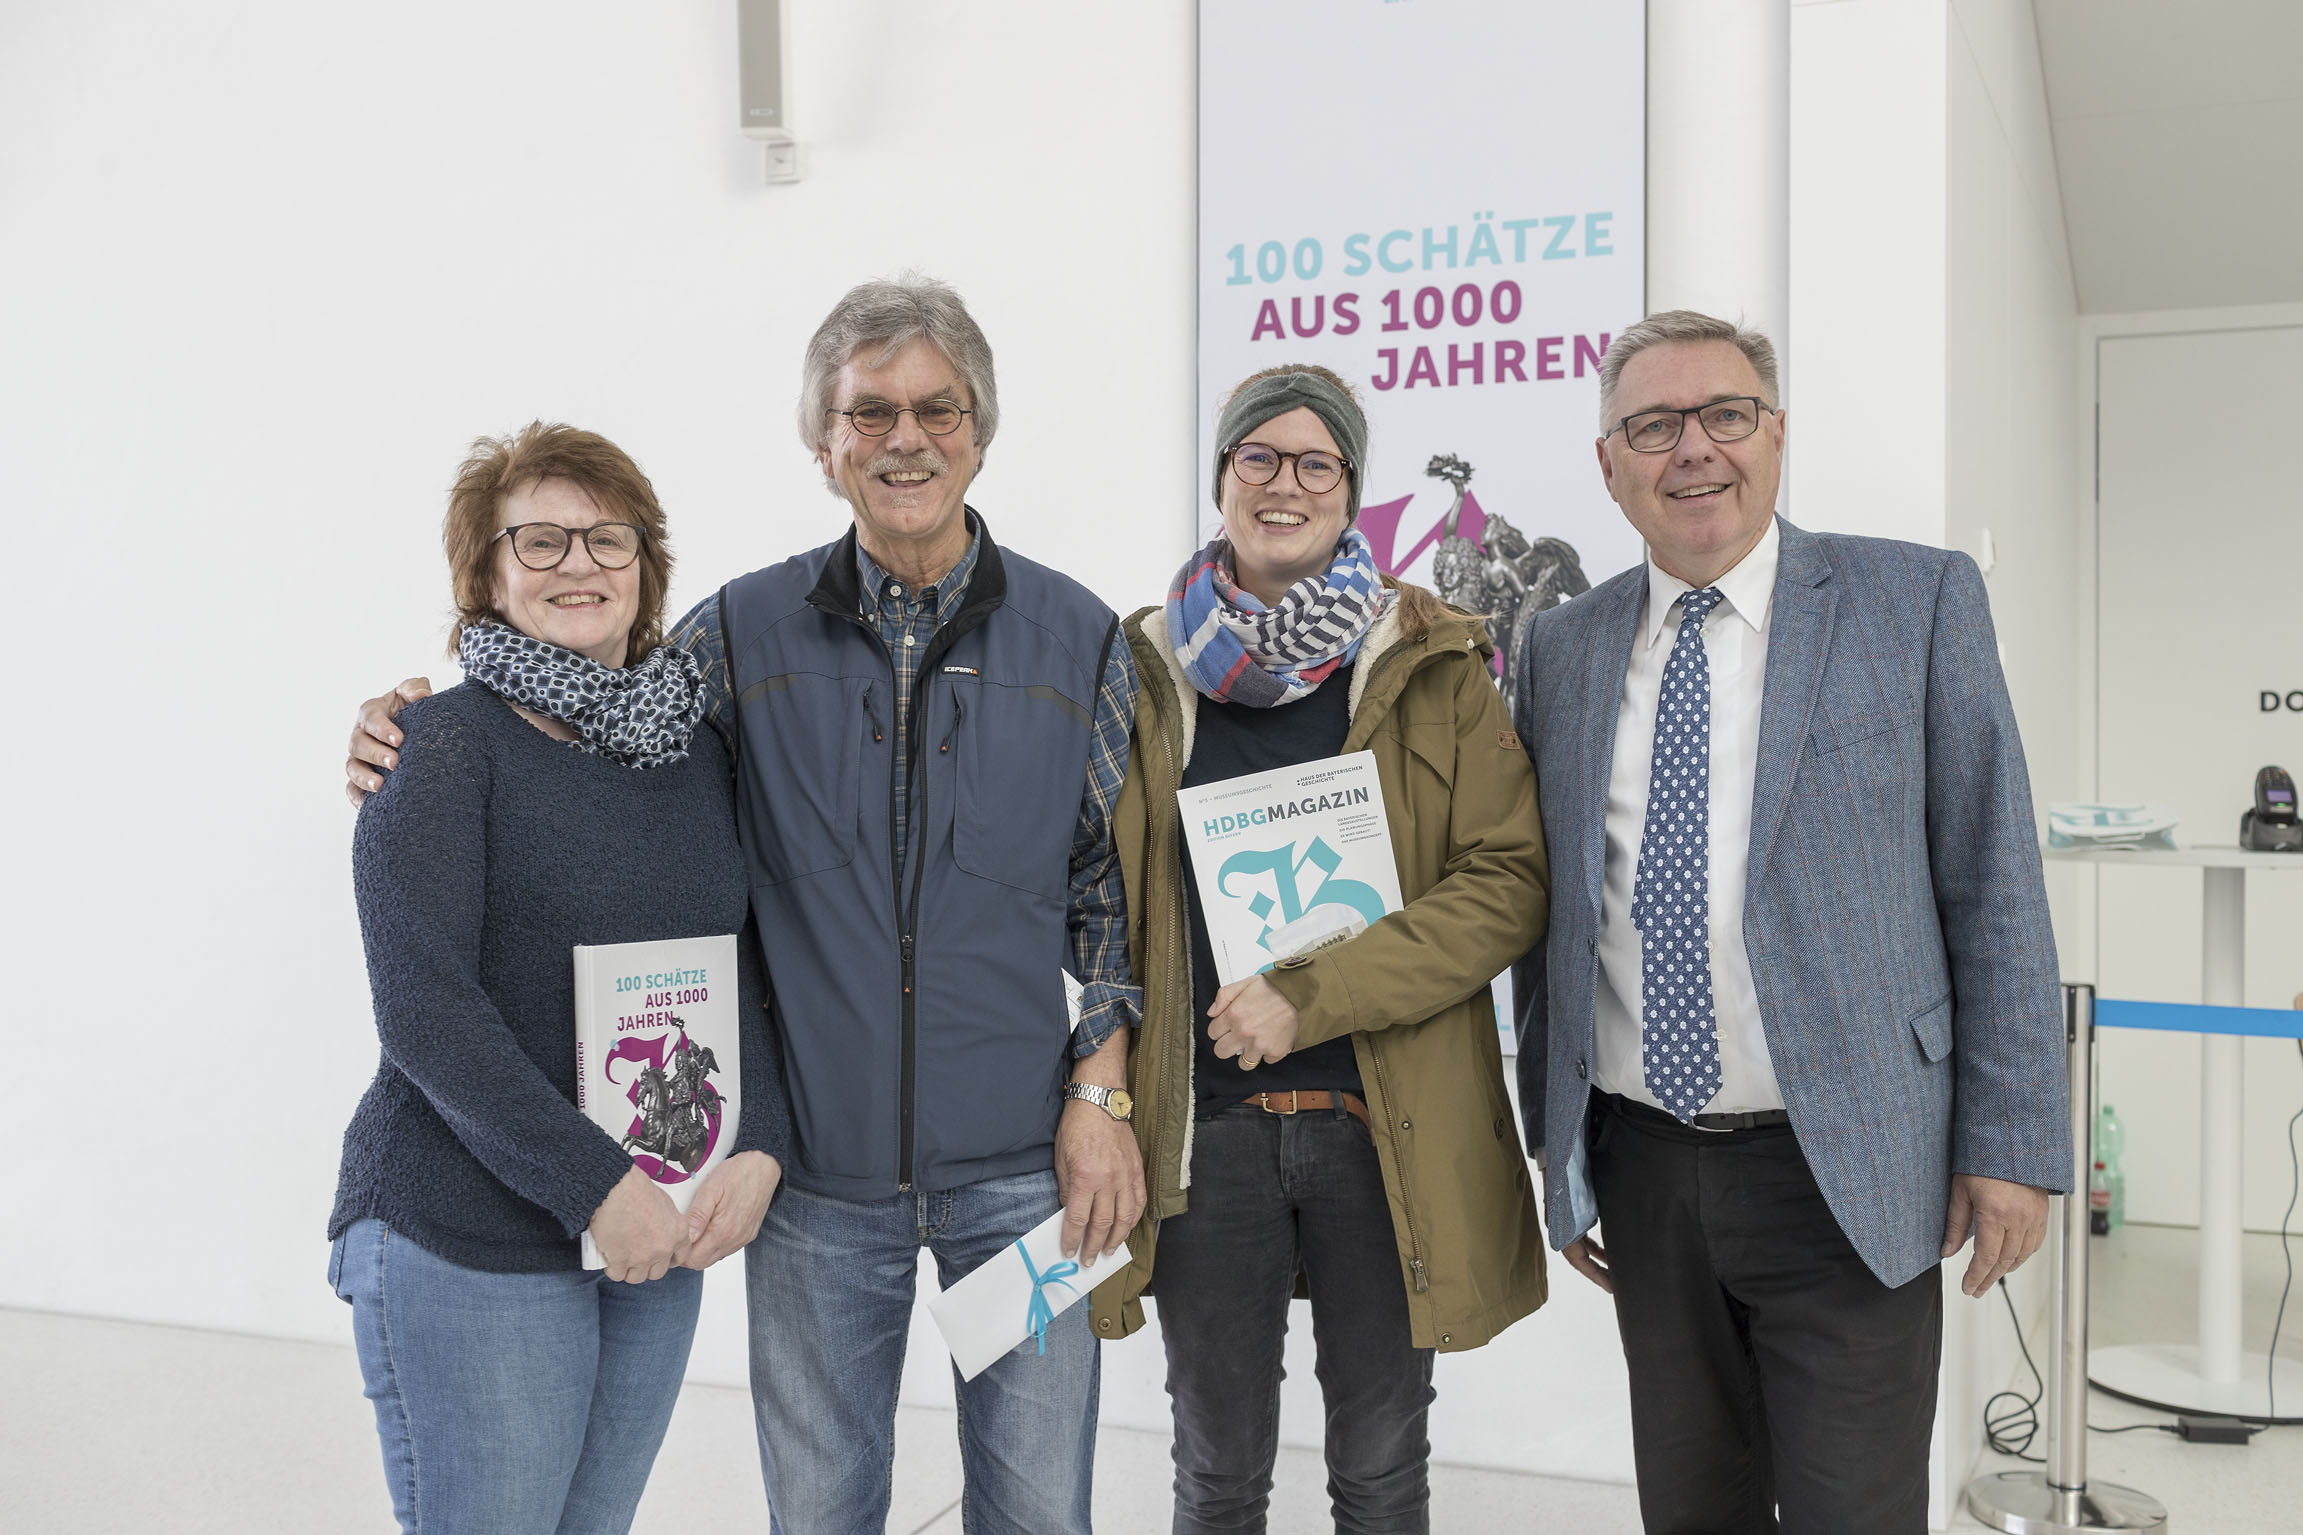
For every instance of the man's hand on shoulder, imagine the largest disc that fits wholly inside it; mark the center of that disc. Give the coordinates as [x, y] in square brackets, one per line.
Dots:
[2010, 1221]
[1099, 1170]
[375, 739]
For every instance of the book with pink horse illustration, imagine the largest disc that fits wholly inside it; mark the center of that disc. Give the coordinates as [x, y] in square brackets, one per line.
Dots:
[657, 1057]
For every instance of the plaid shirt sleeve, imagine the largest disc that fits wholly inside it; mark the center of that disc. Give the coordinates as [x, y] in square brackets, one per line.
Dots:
[1098, 916]
[699, 635]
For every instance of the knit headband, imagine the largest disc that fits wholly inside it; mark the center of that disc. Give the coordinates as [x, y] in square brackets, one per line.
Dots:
[1259, 402]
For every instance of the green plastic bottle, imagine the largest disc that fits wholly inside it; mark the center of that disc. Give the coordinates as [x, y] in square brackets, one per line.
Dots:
[2110, 1140]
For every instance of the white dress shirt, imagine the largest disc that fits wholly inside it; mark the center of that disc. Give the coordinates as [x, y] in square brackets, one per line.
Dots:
[1735, 644]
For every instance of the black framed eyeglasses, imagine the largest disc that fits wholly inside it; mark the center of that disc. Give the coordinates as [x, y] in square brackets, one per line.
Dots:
[1659, 431]
[1316, 471]
[876, 418]
[543, 545]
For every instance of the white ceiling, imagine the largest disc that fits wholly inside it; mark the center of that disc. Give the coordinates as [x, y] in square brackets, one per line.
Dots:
[2179, 144]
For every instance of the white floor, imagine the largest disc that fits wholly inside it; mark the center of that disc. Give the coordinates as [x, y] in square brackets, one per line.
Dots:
[2144, 1288]
[118, 1427]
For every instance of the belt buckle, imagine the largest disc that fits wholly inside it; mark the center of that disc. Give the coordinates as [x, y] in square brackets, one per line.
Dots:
[1264, 1100]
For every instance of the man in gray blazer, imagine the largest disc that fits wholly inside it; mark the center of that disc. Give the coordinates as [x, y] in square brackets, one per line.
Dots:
[1795, 1031]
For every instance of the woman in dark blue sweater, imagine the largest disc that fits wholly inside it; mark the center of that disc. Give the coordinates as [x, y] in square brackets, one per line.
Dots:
[560, 795]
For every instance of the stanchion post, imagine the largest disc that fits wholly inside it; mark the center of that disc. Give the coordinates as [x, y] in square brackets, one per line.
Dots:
[2060, 1500]
[2067, 1414]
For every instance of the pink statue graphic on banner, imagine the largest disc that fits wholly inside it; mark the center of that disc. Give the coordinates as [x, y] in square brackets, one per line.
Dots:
[1483, 564]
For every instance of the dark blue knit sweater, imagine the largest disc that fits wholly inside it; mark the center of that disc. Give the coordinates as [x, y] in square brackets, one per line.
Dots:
[489, 853]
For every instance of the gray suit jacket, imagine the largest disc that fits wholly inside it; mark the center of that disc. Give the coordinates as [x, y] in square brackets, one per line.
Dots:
[1894, 911]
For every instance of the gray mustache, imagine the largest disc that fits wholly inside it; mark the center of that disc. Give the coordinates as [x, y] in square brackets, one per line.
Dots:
[897, 463]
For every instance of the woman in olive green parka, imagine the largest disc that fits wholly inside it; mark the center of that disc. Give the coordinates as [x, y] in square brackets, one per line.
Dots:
[1410, 994]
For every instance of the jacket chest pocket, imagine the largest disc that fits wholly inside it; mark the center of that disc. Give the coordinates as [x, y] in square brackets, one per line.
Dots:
[1430, 746]
[1425, 766]
[1017, 779]
[1872, 733]
[804, 736]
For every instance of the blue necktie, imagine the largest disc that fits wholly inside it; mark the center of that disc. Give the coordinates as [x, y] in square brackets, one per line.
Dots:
[1671, 901]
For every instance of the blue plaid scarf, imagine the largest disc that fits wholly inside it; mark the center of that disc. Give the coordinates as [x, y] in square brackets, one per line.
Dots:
[638, 716]
[1236, 650]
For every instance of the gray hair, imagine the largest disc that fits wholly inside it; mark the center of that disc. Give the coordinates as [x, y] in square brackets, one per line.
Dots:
[1683, 325]
[882, 318]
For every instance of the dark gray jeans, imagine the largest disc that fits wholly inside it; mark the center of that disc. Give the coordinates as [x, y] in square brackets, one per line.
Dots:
[1269, 1194]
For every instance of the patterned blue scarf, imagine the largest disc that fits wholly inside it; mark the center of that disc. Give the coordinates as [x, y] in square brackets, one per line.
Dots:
[1236, 650]
[638, 716]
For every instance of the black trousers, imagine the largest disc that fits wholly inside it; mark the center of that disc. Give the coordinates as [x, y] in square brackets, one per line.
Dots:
[1776, 1384]
[1269, 1193]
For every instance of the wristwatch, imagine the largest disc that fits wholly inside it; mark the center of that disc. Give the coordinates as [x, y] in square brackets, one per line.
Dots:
[1115, 1101]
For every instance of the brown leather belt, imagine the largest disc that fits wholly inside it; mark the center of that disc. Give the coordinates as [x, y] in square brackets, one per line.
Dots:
[1295, 1101]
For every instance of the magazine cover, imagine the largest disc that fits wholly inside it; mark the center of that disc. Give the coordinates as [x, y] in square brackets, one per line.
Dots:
[1289, 861]
[657, 1057]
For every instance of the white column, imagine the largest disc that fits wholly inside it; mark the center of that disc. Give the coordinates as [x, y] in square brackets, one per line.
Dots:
[2222, 1080]
[1719, 161]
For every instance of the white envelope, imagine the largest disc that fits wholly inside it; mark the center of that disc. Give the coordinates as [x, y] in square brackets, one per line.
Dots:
[990, 1311]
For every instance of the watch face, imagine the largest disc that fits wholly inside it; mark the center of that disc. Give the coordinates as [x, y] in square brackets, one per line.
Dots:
[1123, 1103]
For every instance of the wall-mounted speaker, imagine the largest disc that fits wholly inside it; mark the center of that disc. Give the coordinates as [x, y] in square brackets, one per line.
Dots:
[764, 90]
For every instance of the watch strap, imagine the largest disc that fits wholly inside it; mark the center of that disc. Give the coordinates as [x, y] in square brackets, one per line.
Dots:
[1101, 1097]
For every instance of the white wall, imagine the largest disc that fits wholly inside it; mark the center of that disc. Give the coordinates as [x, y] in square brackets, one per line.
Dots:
[274, 265]
[1868, 291]
[1934, 318]
[288, 261]
[2182, 525]
[270, 267]
[2011, 392]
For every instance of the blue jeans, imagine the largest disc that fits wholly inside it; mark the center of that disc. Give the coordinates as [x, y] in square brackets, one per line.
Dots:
[512, 1404]
[831, 1284]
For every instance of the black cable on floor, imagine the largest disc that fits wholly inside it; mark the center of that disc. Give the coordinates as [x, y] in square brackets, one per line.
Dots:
[2010, 1431]
[2001, 1427]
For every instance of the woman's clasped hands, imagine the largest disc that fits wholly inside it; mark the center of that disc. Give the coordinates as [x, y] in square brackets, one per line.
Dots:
[643, 1235]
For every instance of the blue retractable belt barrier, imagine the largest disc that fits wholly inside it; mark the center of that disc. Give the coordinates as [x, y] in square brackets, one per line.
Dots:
[2199, 1018]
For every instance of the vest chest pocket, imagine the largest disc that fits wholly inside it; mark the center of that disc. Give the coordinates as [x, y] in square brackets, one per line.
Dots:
[1018, 775]
[803, 746]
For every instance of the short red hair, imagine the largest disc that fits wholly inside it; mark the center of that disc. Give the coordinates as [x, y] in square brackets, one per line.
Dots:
[498, 467]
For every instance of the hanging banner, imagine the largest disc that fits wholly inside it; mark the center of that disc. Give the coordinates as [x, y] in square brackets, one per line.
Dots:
[1442, 201]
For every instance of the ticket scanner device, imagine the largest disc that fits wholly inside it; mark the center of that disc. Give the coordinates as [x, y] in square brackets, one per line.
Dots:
[2271, 824]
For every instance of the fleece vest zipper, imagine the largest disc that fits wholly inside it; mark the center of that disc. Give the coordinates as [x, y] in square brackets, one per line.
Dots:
[965, 932]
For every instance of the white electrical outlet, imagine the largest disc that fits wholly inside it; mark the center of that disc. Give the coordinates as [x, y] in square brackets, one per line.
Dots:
[783, 160]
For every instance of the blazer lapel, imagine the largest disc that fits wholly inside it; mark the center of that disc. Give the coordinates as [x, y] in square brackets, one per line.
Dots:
[1799, 637]
[1612, 635]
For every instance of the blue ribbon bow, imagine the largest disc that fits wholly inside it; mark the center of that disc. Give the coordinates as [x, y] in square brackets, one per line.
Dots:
[1041, 1313]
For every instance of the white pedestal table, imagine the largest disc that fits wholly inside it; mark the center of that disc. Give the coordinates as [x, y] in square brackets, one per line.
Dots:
[2213, 1375]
